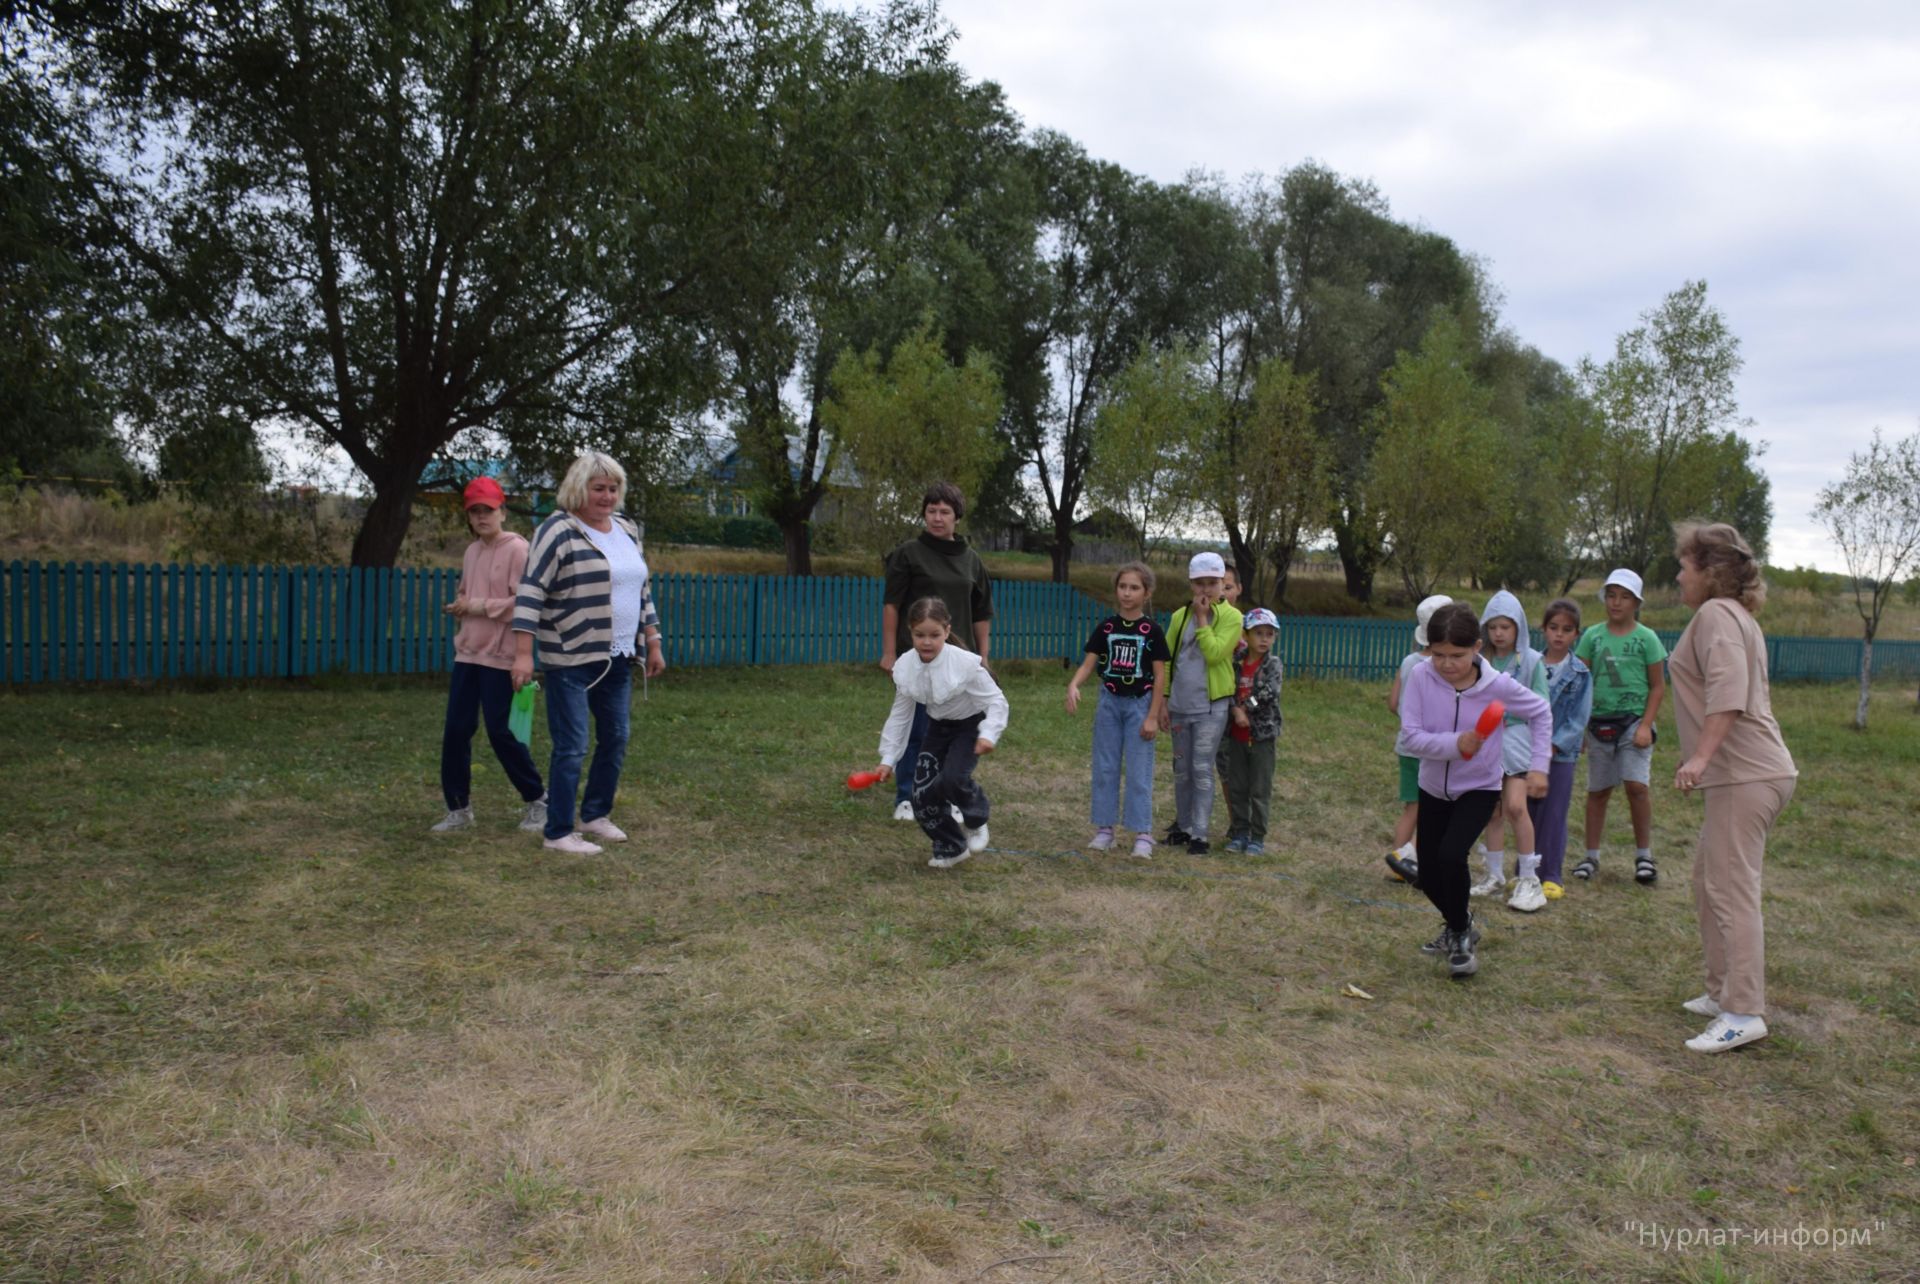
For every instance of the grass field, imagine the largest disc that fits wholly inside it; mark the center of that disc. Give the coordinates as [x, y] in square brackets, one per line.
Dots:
[258, 1024]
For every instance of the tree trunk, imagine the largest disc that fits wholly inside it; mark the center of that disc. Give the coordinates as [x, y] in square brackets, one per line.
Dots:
[384, 528]
[1246, 564]
[1357, 564]
[1866, 682]
[1061, 551]
[796, 534]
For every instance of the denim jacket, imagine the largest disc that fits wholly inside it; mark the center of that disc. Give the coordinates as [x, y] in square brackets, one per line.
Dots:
[1570, 691]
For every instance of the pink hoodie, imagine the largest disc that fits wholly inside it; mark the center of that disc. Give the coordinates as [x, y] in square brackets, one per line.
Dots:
[490, 573]
[1433, 714]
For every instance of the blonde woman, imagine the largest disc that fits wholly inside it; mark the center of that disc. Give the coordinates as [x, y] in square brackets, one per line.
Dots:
[585, 600]
[1733, 756]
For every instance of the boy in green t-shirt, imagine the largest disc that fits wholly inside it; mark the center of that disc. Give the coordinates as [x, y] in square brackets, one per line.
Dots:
[1629, 684]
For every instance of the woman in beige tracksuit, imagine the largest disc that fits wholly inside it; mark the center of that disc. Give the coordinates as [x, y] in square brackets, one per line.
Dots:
[1733, 755]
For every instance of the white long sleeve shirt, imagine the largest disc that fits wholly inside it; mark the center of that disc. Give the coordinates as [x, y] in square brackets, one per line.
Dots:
[954, 686]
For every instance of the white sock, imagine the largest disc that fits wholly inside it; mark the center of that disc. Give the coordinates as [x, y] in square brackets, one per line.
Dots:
[1530, 865]
[1405, 850]
[1497, 864]
[1734, 1018]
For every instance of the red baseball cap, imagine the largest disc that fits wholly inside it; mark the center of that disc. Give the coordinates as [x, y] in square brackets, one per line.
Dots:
[484, 490]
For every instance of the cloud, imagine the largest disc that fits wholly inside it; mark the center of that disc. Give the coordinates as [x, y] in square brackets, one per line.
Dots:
[1595, 157]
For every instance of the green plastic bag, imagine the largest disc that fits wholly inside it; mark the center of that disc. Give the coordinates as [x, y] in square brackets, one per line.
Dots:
[520, 717]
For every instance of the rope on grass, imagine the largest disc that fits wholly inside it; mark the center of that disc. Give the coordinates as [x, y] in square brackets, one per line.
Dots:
[1240, 876]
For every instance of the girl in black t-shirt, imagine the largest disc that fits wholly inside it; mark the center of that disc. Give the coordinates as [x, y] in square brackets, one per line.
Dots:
[1130, 652]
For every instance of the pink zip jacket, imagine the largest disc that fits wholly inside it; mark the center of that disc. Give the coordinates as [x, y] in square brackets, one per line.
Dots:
[1433, 714]
[490, 574]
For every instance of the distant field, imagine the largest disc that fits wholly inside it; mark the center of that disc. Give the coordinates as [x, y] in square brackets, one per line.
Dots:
[258, 1024]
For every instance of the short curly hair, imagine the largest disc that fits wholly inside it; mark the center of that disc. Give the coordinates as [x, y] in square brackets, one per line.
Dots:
[1725, 558]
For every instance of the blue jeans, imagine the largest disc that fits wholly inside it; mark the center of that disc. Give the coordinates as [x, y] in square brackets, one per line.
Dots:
[910, 757]
[573, 694]
[1117, 746]
[474, 691]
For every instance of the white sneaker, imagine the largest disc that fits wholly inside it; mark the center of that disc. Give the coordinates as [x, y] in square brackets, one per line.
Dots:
[536, 818]
[903, 810]
[603, 828]
[1102, 840]
[1702, 1006]
[572, 845]
[1488, 885]
[1527, 896]
[948, 862]
[458, 818]
[1724, 1035]
[976, 838]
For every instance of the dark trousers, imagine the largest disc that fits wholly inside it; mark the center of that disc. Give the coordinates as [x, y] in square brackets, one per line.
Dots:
[1445, 836]
[575, 694]
[1246, 768]
[1550, 819]
[943, 780]
[477, 691]
[903, 770]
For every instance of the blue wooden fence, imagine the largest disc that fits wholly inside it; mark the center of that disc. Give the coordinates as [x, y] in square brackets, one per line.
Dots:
[89, 622]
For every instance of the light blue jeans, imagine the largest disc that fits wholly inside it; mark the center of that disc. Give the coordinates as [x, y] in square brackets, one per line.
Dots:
[1118, 748]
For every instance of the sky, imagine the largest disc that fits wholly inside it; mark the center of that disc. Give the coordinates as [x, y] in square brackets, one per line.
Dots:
[1595, 157]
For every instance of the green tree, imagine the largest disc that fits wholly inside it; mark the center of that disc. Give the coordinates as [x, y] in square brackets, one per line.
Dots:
[1144, 437]
[1872, 514]
[393, 225]
[63, 303]
[1437, 477]
[866, 158]
[1665, 397]
[903, 422]
[1265, 473]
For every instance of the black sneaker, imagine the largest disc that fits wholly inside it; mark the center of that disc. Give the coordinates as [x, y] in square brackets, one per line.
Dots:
[1177, 835]
[1443, 943]
[1407, 871]
[1644, 870]
[1197, 847]
[1461, 961]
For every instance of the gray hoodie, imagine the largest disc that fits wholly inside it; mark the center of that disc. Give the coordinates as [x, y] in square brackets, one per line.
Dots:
[1525, 664]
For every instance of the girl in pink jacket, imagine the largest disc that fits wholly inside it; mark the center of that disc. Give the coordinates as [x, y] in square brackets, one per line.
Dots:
[483, 663]
[1461, 770]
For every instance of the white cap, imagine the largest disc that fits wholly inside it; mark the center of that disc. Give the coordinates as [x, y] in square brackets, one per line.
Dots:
[1627, 580]
[1424, 612]
[1204, 564]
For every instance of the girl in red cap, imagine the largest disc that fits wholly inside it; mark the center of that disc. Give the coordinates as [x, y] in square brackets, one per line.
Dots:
[483, 653]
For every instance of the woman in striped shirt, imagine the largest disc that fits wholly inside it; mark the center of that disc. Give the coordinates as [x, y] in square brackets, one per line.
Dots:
[585, 600]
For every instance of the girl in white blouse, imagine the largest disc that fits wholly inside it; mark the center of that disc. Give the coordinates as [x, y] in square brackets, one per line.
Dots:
[967, 713]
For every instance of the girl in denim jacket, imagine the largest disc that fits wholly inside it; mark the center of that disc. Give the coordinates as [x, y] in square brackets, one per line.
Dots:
[1570, 692]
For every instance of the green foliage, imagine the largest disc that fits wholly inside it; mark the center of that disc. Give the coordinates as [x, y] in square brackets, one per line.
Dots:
[722, 532]
[1265, 471]
[1146, 439]
[1669, 444]
[906, 421]
[1437, 476]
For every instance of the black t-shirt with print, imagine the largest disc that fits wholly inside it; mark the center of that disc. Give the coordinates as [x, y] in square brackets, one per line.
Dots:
[1126, 651]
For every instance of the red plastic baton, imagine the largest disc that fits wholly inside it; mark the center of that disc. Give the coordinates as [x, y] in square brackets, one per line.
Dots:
[862, 779]
[1489, 721]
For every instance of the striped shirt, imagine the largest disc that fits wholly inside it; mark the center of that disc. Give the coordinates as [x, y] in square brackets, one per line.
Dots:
[565, 597]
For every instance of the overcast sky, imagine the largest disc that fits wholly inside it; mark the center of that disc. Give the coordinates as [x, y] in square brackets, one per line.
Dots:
[1596, 157]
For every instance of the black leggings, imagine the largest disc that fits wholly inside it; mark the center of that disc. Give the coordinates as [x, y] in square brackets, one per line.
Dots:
[1446, 834]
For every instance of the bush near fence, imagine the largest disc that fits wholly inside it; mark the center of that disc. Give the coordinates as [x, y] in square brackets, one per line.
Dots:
[87, 622]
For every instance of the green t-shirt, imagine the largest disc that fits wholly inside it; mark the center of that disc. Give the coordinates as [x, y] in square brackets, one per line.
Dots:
[1619, 665]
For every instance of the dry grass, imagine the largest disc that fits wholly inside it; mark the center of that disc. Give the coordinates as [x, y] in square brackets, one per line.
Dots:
[261, 1026]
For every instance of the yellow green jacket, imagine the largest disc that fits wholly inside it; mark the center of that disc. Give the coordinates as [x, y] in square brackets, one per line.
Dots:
[1216, 643]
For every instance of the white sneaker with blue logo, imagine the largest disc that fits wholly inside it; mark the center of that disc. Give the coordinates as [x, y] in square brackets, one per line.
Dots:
[1725, 1033]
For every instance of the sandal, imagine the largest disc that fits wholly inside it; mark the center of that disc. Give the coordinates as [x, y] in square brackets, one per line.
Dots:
[1407, 871]
[1586, 869]
[1643, 869]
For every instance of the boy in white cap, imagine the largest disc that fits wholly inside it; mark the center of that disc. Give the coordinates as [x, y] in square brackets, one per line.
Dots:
[1629, 684]
[1202, 636]
[1402, 859]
